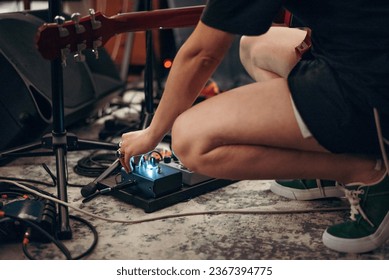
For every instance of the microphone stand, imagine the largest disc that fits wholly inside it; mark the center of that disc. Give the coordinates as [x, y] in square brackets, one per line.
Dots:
[59, 132]
[149, 78]
[60, 142]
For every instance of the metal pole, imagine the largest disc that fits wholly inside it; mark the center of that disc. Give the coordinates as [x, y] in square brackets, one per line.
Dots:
[149, 78]
[59, 132]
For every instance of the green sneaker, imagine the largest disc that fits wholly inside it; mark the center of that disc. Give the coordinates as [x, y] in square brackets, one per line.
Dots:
[306, 189]
[368, 228]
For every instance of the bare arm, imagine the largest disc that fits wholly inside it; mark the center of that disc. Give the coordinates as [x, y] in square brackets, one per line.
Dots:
[194, 64]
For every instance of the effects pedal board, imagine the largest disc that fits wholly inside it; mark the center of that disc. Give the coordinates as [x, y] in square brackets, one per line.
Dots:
[159, 185]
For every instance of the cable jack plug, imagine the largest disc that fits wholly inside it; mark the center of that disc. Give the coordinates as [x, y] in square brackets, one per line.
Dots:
[26, 237]
[108, 190]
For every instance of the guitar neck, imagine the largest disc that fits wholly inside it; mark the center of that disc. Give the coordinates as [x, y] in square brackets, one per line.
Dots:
[157, 19]
[55, 40]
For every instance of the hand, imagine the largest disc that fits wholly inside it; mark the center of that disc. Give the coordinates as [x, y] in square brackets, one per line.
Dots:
[136, 143]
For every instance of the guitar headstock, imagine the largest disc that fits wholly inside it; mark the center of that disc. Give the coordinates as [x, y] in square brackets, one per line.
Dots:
[57, 40]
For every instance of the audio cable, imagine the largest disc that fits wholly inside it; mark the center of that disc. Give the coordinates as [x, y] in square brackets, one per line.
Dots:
[186, 214]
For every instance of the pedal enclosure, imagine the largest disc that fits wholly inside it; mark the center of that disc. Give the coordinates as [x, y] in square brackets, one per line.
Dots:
[189, 177]
[154, 181]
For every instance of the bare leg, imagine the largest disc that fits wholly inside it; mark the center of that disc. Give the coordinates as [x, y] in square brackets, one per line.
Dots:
[251, 133]
[271, 55]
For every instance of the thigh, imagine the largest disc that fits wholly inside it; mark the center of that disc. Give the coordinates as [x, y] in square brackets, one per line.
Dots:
[255, 114]
[273, 51]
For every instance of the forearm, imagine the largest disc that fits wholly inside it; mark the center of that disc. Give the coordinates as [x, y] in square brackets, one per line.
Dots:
[191, 69]
[187, 77]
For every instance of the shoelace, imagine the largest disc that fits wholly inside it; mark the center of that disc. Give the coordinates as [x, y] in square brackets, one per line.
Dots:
[354, 199]
[353, 195]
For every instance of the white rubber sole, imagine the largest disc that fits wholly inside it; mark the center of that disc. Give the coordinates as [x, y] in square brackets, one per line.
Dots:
[306, 194]
[359, 245]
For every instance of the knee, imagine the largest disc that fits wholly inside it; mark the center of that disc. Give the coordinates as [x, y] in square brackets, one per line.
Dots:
[256, 57]
[252, 48]
[184, 141]
[245, 50]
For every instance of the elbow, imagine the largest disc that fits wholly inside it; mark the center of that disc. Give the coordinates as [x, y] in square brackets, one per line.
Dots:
[207, 60]
[204, 57]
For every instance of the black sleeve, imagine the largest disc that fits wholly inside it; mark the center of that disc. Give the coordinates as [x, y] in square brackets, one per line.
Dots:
[243, 17]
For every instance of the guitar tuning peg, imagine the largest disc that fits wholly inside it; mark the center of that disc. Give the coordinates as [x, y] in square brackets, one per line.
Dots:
[76, 19]
[96, 53]
[96, 44]
[95, 23]
[60, 20]
[79, 56]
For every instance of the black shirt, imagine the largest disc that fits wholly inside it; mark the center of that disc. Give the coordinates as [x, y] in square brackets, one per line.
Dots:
[352, 36]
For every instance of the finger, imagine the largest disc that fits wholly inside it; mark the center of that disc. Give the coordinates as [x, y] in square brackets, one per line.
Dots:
[120, 155]
[126, 162]
[122, 162]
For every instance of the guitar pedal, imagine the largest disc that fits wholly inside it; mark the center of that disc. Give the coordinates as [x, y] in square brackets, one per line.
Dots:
[189, 177]
[153, 179]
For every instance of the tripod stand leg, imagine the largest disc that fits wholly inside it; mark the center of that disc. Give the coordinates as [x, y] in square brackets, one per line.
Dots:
[6, 156]
[83, 144]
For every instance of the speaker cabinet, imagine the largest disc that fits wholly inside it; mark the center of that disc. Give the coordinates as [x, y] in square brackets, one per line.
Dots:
[25, 82]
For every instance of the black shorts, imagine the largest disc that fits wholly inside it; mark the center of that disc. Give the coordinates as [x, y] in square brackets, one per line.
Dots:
[339, 121]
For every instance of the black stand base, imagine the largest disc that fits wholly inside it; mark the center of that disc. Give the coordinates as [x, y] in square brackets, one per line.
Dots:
[47, 144]
[57, 144]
